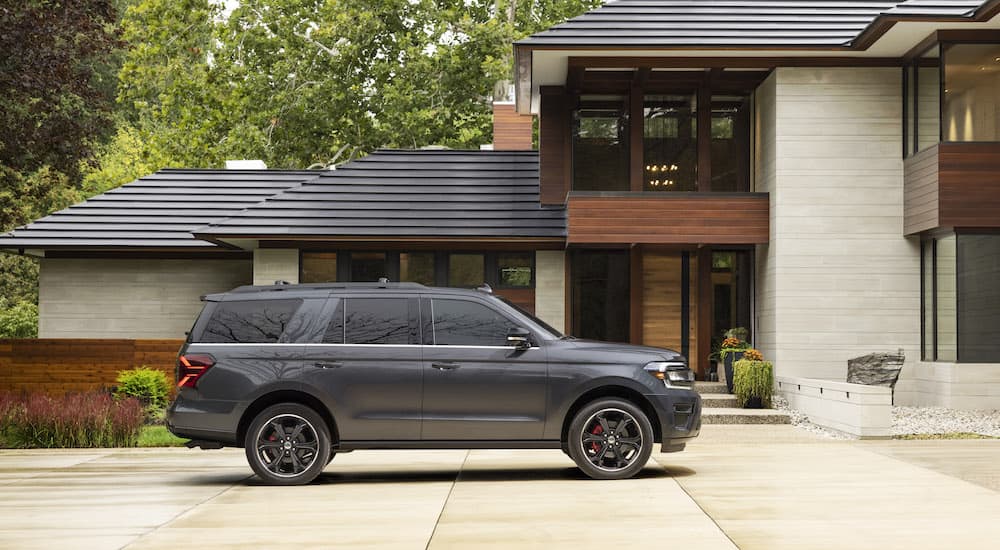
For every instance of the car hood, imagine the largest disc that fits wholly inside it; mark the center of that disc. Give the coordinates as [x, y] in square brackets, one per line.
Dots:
[647, 353]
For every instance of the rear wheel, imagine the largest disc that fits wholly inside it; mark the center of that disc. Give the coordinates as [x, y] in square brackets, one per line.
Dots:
[610, 439]
[288, 444]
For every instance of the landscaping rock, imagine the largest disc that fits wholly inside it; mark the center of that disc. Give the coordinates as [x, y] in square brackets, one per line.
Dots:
[875, 369]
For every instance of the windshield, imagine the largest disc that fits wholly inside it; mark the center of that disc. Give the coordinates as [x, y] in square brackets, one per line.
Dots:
[541, 324]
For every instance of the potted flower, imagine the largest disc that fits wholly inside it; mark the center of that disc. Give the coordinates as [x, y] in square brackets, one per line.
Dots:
[753, 380]
[731, 351]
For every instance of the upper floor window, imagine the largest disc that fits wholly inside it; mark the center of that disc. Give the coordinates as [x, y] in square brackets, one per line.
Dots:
[952, 94]
[654, 130]
[670, 143]
[600, 144]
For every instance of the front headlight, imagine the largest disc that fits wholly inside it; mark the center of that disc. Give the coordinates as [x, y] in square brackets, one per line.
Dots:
[673, 374]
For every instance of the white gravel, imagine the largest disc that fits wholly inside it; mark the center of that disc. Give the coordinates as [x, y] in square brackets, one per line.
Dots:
[913, 420]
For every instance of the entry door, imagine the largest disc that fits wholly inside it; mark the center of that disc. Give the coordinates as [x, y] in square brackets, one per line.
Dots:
[476, 386]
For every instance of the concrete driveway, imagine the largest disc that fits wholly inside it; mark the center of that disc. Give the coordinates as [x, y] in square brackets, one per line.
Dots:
[737, 486]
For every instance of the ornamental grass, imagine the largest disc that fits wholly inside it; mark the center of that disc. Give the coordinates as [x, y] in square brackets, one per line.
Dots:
[91, 419]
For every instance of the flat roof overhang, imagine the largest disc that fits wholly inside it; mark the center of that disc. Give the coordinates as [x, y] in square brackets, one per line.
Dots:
[885, 42]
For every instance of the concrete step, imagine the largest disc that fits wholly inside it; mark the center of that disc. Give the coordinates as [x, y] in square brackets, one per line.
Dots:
[713, 415]
[710, 387]
[719, 401]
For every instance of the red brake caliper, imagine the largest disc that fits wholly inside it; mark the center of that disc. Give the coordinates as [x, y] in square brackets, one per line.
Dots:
[598, 430]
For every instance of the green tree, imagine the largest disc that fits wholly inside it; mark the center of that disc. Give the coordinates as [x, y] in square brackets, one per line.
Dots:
[58, 73]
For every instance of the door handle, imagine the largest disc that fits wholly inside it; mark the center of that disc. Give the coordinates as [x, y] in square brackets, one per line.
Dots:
[445, 365]
[333, 365]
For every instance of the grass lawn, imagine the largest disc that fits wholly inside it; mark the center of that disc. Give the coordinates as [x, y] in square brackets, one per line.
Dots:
[951, 435]
[159, 436]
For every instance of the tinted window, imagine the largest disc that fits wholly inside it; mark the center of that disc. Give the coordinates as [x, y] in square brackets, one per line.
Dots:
[335, 331]
[377, 321]
[461, 323]
[250, 322]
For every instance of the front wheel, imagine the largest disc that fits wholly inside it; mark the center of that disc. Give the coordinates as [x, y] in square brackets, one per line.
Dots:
[610, 439]
[288, 444]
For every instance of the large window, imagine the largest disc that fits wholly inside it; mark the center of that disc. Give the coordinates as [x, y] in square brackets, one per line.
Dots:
[952, 94]
[600, 144]
[971, 110]
[511, 270]
[600, 294]
[670, 143]
[658, 130]
[961, 299]
[730, 157]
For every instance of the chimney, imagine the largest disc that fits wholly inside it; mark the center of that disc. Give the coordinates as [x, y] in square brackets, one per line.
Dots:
[511, 131]
[245, 165]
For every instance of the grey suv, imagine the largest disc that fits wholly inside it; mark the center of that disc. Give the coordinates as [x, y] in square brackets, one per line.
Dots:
[298, 373]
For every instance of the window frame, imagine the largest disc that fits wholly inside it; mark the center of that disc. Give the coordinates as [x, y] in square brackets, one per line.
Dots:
[433, 324]
[942, 40]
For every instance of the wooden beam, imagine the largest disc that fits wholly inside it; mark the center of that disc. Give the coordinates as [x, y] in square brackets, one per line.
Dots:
[705, 310]
[636, 121]
[705, 136]
[635, 294]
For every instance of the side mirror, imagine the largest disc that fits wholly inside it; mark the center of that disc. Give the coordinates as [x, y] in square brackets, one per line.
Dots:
[519, 337]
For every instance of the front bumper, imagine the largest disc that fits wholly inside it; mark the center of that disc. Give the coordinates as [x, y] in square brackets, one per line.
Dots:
[680, 417]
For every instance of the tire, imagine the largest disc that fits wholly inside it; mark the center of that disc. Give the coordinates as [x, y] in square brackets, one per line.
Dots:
[285, 442]
[598, 446]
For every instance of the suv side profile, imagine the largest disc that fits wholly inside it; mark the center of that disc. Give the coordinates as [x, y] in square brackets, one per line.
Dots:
[298, 373]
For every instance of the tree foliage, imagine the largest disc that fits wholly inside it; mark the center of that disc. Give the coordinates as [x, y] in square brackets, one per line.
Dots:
[293, 82]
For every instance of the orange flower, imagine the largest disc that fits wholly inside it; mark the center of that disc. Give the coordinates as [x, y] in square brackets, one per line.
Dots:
[753, 355]
[731, 343]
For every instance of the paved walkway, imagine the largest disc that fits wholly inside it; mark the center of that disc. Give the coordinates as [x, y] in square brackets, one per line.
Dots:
[766, 487]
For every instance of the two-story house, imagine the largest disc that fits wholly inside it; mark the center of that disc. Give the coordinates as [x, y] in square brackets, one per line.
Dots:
[826, 174]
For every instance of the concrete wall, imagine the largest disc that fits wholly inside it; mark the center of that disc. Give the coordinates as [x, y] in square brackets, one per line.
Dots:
[956, 386]
[838, 279]
[93, 298]
[855, 409]
[275, 264]
[764, 334]
[550, 287]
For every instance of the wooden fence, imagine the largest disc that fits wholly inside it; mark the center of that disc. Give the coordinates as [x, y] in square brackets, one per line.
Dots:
[59, 365]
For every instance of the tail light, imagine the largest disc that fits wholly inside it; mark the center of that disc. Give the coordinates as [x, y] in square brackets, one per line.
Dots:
[191, 367]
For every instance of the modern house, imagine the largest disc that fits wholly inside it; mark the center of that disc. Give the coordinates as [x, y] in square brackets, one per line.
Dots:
[825, 173]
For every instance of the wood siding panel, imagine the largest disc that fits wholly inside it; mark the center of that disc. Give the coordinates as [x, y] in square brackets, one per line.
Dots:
[920, 191]
[511, 131]
[661, 303]
[59, 365]
[554, 148]
[668, 219]
[523, 297]
[969, 185]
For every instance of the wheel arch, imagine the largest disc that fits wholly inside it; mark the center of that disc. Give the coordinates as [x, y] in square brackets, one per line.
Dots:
[285, 396]
[620, 392]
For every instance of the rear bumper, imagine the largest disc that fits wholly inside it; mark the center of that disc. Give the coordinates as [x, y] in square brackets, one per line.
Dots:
[680, 417]
[208, 420]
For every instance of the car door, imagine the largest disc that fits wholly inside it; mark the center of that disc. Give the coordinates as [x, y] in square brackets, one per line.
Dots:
[368, 365]
[476, 385]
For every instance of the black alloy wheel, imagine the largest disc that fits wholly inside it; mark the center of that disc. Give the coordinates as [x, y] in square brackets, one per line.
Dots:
[610, 439]
[285, 443]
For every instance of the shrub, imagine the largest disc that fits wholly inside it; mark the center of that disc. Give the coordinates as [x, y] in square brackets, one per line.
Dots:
[19, 321]
[150, 386]
[753, 379]
[93, 419]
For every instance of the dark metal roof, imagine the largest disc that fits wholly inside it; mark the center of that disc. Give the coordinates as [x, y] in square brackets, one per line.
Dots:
[157, 211]
[390, 193]
[735, 23]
